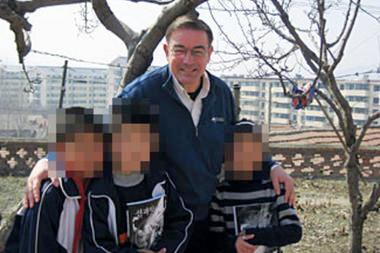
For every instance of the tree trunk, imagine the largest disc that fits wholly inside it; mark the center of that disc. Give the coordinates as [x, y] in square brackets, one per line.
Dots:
[357, 219]
[357, 222]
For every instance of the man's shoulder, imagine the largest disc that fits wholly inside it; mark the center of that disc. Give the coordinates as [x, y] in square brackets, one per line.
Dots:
[218, 82]
[146, 82]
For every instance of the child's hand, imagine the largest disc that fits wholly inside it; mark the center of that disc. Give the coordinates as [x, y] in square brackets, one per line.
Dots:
[244, 247]
[163, 250]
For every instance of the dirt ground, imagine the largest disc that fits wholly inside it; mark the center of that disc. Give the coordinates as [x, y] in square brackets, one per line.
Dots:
[322, 206]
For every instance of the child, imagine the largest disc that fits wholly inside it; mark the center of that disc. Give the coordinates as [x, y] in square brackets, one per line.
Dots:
[75, 154]
[245, 211]
[138, 209]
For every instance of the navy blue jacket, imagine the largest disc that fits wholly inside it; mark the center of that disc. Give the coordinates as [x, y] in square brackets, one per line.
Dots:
[195, 154]
[49, 225]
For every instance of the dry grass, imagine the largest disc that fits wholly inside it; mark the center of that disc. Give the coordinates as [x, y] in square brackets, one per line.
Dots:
[324, 209]
[322, 206]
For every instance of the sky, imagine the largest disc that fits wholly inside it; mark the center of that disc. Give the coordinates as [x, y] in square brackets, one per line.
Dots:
[55, 30]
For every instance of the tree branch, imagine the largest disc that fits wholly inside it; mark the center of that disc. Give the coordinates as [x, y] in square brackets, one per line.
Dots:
[30, 6]
[266, 21]
[113, 24]
[20, 27]
[363, 131]
[346, 19]
[346, 37]
[159, 2]
[142, 57]
[332, 125]
[373, 199]
[310, 57]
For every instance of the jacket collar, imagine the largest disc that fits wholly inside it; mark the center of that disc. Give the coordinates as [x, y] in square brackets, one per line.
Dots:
[69, 188]
[168, 85]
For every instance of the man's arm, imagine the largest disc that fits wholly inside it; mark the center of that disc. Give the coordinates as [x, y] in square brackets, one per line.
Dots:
[279, 176]
[33, 184]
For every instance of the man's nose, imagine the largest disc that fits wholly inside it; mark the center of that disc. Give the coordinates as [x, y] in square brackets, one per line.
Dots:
[188, 57]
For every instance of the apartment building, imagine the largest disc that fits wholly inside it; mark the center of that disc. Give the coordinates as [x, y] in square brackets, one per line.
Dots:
[263, 100]
[87, 87]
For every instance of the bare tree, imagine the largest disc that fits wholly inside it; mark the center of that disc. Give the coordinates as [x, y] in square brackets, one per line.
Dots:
[139, 45]
[271, 38]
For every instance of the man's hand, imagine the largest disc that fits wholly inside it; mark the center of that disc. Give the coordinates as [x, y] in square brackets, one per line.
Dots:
[163, 250]
[33, 184]
[278, 176]
[244, 247]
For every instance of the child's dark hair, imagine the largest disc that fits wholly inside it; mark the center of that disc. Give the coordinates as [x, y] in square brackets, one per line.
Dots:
[244, 126]
[124, 111]
[76, 120]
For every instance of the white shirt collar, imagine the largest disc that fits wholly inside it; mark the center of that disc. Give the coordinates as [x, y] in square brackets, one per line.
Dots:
[193, 106]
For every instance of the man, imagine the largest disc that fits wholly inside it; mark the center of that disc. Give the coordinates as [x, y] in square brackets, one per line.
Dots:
[195, 107]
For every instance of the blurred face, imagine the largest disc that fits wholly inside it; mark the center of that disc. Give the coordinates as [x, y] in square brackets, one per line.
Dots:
[131, 148]
[243, 156]
[188, 53]
[82, 157]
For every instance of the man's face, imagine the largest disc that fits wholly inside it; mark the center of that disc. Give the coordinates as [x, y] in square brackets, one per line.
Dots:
[188, 53]
[131, 148]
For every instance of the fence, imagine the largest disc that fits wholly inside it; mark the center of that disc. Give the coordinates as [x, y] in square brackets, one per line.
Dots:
[17, 158]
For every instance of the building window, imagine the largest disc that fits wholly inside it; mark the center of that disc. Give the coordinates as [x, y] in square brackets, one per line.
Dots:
[315, 118]
[357, 99]
[360, 110]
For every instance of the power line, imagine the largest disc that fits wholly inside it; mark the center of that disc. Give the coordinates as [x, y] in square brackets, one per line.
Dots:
[76, 59]
[358, 73]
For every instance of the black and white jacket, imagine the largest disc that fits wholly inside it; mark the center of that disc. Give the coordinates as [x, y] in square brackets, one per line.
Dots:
[275, 222]
[105, 222]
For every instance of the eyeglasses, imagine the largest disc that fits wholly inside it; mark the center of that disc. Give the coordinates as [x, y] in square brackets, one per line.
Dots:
[196, 52]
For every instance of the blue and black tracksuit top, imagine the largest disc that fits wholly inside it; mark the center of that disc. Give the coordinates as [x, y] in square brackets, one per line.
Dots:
[105, 219]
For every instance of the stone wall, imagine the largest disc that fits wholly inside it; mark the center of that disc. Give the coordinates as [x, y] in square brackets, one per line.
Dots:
[324, 162]
[17, 159]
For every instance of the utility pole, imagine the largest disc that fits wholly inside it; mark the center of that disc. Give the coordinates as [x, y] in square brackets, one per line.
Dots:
[236, 89]
[63, 88]
[270, 107]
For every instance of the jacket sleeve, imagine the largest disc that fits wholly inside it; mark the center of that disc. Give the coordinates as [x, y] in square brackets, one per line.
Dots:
[288, 231]
[13, 239]
[177, 222]
[96, 229]
[39, 225]
[220, 240]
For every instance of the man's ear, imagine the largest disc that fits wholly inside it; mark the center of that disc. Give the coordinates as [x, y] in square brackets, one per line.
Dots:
[166, 49]
[209, 52]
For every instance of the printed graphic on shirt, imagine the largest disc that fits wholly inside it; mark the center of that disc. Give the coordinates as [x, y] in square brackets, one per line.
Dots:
[255, 216]
[145, 221]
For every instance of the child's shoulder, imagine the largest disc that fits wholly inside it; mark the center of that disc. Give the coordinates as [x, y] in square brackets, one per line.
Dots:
[100, 186]
[245, 186]
[51, 194]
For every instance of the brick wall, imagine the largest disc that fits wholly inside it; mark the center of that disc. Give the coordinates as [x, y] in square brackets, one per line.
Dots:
[17, 159]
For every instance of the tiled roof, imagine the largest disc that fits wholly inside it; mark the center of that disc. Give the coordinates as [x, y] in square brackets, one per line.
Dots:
[287, 136]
